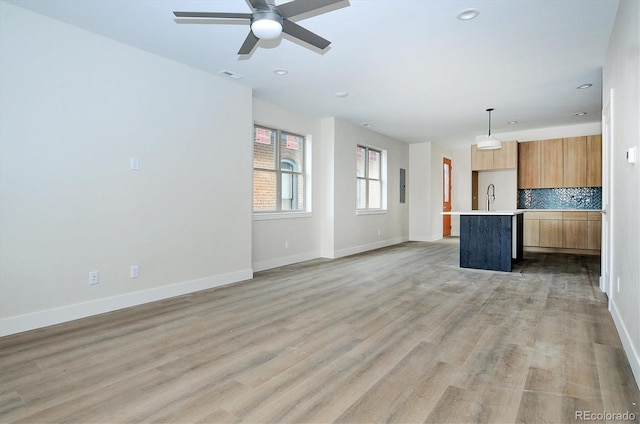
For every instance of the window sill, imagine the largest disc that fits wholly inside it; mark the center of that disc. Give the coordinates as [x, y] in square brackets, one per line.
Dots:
[280, 215]
[361, 212]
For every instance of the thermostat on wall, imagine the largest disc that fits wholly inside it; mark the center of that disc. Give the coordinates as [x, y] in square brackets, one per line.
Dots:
[632, 155]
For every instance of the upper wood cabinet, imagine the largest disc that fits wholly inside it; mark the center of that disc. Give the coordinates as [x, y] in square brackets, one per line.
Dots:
[529, 155]
[594, 161]
[568, 162]
[504, 158]
[481, 160]
[507, 157]
[574, 162]
[551, 170]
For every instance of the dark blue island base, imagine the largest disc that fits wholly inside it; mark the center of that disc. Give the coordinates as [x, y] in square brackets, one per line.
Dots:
[490, 241]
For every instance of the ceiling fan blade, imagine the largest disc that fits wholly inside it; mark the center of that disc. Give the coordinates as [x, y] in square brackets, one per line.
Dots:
[298, 7]
[249, 44]
[304, 34]
[213, 15]
[258, 4]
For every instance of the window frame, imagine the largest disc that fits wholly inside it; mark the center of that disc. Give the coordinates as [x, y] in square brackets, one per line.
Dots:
[303, 166]
[367, 179]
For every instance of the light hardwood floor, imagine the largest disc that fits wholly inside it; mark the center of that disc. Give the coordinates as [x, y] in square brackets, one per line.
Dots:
[401, 334]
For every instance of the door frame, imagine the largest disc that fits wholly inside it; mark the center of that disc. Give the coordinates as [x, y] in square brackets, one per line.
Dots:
[607, 246]
[446, 192]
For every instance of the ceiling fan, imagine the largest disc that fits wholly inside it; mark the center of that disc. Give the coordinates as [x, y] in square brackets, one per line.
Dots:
[268, 21]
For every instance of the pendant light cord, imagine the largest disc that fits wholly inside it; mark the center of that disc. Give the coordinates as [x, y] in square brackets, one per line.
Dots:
[489, 110]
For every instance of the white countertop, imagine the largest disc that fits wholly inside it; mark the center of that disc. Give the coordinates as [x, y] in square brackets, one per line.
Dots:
[508, 213]
[561, 210]
[516, 212]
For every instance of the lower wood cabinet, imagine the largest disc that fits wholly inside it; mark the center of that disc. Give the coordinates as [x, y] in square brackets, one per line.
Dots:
[543, 229]
[594, 230]
[575, 230]
[551, 234]
[531, 232]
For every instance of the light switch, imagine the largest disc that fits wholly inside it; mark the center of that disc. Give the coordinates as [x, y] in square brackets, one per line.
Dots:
[135, 164]
[632, 155]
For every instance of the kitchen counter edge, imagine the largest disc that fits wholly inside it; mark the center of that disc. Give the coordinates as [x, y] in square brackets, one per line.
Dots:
[516, 211]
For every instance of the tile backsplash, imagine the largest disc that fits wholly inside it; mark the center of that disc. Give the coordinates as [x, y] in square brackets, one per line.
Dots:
[560, 198]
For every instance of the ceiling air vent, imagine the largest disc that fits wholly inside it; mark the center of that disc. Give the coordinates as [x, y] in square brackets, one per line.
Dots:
[230, 74]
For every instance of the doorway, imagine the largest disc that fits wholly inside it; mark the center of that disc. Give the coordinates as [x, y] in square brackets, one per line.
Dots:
[446, 196]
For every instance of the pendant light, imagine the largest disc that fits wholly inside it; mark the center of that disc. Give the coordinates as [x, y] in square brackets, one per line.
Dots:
[490, 142]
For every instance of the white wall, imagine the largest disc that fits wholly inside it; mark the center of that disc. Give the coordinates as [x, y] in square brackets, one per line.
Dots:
[426, 182]
[75, 107]
[461, 192]
[357, 233]
[419, 192]
[333, 229]
[301, 234]
[327, 176]
[622, 75]
[505, 182]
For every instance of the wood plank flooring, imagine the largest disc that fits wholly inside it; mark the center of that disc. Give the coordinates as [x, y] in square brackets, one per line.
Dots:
[400, 334]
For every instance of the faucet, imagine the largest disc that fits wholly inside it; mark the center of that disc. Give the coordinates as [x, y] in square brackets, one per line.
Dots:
[491, 195]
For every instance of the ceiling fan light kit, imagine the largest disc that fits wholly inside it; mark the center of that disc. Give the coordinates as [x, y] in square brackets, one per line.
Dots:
[490, 142]
[266, 25]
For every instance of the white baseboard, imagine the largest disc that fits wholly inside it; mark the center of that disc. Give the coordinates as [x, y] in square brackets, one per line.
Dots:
[366, 247]
[45, 318]
[429, 239]
[419, 238]
[632, 354]
[287, 260]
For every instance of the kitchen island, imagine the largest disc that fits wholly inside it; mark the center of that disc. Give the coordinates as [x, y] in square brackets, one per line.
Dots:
[490, 239]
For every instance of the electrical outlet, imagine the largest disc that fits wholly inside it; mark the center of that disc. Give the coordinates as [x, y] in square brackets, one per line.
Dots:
[94, 277]
[134, 271]
[379, 232]
[618, 284]
[286, 244]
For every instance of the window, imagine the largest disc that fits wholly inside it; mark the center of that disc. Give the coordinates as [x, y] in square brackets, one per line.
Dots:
[278, 171]
[369, 191]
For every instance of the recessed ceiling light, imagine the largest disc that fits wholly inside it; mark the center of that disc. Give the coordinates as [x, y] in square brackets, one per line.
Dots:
[583, 86]
[512, 122]
[581, 113]
[366, 125]
[468, 14]
[342, 94]
[281, 72]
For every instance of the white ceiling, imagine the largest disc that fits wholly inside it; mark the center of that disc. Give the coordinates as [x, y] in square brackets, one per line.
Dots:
[412, 70]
